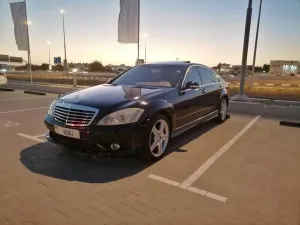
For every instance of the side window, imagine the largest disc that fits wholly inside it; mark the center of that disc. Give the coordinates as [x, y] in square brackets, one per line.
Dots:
[192, 76]
[207, 76]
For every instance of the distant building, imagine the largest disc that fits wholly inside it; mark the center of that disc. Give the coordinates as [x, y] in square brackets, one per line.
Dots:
[284, 67]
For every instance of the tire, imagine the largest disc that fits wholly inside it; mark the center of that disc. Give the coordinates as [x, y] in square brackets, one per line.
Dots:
[222, 110]
[156, 141]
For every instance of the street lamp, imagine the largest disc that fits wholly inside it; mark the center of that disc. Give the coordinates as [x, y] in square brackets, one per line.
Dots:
[146, 36]
[48, 43]
[64, 32]
[241, 96]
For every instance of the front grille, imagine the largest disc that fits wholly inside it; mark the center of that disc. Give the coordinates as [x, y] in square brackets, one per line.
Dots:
[74, 115]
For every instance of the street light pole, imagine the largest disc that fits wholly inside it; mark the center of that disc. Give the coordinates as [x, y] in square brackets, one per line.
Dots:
[241, 96]
[64, 32]
[255, 47]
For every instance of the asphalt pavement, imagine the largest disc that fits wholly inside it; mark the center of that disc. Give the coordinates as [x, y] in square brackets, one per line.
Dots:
[244, 171]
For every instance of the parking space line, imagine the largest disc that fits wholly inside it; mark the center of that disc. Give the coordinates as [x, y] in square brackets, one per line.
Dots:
[42, 135]
[191, 189]
[187, 184]
[208, 163]
[164, 180]
[22, 110]
[31, 137]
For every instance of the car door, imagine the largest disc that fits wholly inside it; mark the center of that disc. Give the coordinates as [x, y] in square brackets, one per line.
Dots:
[190, 105]
[211, 88]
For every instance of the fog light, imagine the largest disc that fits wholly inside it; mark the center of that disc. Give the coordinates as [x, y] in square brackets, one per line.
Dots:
[115, 146]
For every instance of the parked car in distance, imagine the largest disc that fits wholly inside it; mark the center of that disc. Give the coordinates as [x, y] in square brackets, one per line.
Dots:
[3, 79]
[139, 110]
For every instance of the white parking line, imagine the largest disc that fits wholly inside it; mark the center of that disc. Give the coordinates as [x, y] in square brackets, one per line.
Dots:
[187, 184]
[285, 85]
[191, 189]
[208, 163]
[22, 110]
[42, 135]
[270, 84]
[164, 180]
[31, 138]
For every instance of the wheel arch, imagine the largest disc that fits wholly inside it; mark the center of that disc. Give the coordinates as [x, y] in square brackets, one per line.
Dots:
[161, 107]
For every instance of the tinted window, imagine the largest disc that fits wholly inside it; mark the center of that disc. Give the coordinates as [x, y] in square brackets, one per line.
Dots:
[152, 75]
[192, 76]
[207, 76]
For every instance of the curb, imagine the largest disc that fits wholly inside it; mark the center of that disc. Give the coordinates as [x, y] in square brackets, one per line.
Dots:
[289, 123]
[7, 89]
[34, 92]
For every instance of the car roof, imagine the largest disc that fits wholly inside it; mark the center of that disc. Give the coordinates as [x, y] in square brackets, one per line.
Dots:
[177, 62]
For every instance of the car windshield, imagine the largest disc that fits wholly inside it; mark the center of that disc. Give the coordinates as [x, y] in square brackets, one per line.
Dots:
[152, 75]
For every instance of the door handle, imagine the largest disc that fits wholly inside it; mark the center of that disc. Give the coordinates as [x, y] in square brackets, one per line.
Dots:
[204, 91]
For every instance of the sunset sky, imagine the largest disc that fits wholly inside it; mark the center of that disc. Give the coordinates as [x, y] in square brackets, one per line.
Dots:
[204, 31]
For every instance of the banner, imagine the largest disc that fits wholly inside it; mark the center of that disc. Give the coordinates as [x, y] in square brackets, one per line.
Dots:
[18, 12]
[128, 25]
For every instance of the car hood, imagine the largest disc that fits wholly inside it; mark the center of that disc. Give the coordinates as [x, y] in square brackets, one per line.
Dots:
[106, 96]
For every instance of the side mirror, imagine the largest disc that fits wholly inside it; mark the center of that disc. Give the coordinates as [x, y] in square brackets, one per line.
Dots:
[191, 86]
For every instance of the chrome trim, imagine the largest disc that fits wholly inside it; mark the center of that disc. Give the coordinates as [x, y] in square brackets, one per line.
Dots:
[70, 114]
[182, 117]
[200, 118]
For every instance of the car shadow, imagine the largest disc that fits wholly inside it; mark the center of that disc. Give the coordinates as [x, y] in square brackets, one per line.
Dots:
[50, 160]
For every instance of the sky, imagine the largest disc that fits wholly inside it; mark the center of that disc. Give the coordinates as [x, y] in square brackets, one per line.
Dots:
[203, 31]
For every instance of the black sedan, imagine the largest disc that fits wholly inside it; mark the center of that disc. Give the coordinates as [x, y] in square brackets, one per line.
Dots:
[139, 110]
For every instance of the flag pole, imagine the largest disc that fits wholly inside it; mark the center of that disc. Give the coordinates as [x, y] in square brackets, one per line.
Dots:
[138, 44]
[28, 51]
[255, 46]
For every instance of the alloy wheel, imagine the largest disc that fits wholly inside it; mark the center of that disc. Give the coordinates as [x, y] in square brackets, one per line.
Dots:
[159, 138]
[223, 111]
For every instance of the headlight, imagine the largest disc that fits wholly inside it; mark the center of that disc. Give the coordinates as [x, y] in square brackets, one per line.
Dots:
[123, 116]
[51, 108]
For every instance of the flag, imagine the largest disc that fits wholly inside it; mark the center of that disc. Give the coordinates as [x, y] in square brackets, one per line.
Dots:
[18, 12]
[128, 25]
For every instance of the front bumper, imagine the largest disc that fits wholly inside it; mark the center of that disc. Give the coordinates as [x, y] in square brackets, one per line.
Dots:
[99, 139]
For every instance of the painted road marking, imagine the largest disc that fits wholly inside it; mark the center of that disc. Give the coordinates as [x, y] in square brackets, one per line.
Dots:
[191, 189]
[31, 138]
[42, 135]
[164, 180]
[7, 123]
[187, 184]
[285, 85]
[270, 84]
[208, 163]
[23, 110]
[255, 83]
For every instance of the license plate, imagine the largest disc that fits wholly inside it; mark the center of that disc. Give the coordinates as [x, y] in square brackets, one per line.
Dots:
[67, 132]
